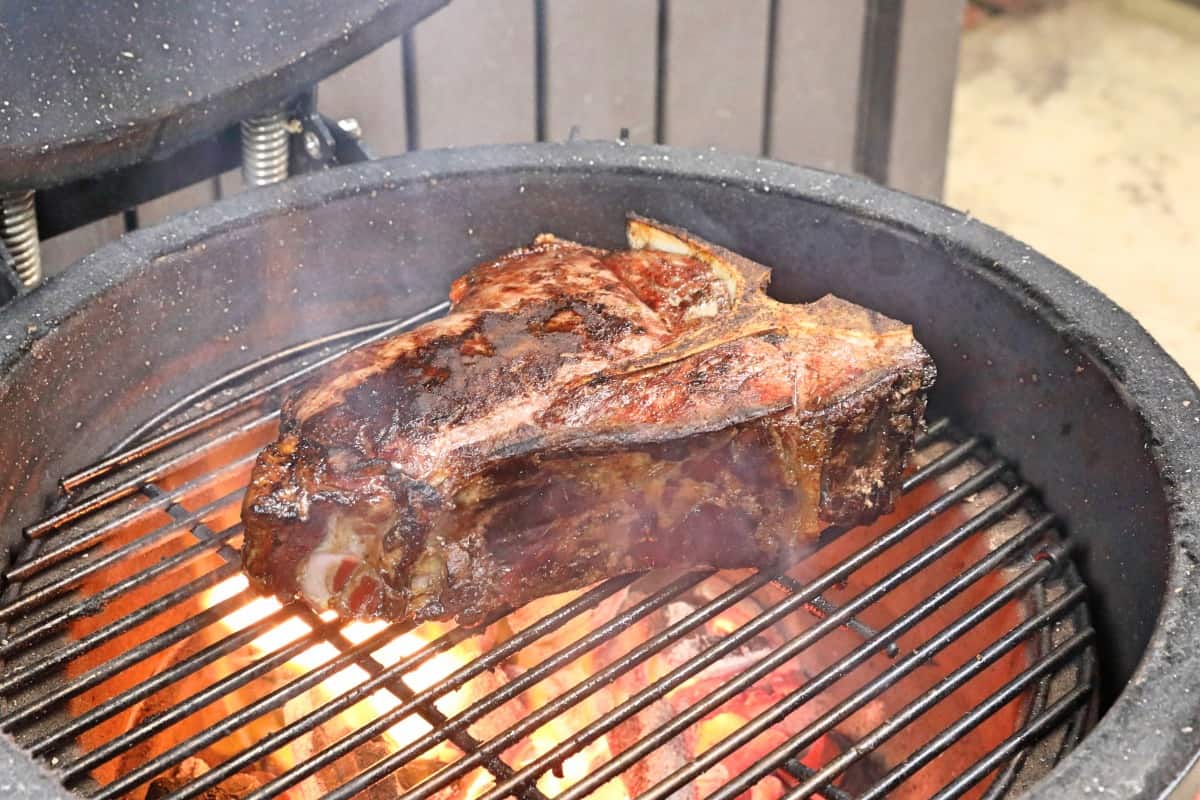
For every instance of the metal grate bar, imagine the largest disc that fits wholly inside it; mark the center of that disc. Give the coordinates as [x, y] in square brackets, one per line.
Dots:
[932, 432]
[801, 772]
[98, 675]
[916, 658]
[1032, 731]
[23, 675]
[91, 605]
[972, 718]
[693, 666]
[569, 698]
[429, 711]
[227, 725]
[494, 700]
[163, 720]
[425, 708]
[817, 684]
[134, 484]
[276, 698]
[78, 544]
[946, 461]
[1077, 725]
[154, 683]
[44, 594]
[222, 412]
[1043, 644]
[122, 448]
[329, 630]
[956, 680]
[822, 608]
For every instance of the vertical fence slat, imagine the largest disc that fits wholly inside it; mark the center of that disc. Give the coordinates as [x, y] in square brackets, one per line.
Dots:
[372, 91]
[817, 53]
[67, 248]
[158, 209]
[928, 65]
[716, 72]
[600, 68]
[475, 73]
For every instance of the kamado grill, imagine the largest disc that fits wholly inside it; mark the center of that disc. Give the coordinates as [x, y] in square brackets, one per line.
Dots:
[1023, 621]
[948, 649]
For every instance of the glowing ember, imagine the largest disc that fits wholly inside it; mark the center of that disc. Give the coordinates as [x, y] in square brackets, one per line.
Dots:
[542, 739]
[407, 730]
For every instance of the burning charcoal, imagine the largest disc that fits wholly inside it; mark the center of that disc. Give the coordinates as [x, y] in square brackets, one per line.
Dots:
[234, 788]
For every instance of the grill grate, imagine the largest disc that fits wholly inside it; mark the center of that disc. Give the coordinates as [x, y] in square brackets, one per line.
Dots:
[172, 490]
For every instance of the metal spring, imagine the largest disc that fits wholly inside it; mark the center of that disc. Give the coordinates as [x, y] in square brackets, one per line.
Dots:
[265, 149]
[18, 229]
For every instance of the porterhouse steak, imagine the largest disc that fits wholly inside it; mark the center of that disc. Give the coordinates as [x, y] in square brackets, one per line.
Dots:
[582, 413]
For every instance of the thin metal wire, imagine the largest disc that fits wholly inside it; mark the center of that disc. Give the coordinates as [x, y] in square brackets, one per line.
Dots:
[1078, 724]
[1044, 644]
[193, 398]
[581, 690]
[72, 772]
[89, 606]
[330, 630]
[801, 772]
[135, 694]
[97, 675]
[888, 678]
[23, 675]
[550, 622]
[933, 431]
[151, 474]
[487, 703]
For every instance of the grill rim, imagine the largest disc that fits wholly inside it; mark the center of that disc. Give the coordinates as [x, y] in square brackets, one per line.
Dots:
[1146, 741]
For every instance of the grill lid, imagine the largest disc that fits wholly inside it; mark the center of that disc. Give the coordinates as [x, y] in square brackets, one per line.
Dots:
[91, 85]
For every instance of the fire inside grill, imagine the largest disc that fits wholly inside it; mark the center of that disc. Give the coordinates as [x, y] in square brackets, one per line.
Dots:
[944, 651]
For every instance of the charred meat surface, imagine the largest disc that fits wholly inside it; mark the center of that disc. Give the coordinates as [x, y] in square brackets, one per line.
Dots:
[578, 414]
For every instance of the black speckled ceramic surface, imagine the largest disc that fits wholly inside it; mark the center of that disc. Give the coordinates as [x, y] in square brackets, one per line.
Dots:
[91, 85]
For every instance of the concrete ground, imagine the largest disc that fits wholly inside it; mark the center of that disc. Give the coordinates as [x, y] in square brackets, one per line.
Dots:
[1076, 128]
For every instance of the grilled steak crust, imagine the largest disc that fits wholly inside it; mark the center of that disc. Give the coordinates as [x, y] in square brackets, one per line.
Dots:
[578, 414]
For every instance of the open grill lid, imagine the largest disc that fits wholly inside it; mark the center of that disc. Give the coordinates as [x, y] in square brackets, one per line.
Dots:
[91, 85]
